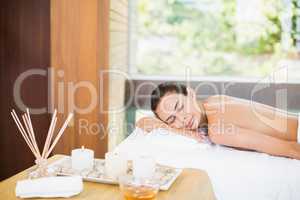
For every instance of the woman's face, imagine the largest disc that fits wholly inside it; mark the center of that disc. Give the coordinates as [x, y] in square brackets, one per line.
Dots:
[179, 111]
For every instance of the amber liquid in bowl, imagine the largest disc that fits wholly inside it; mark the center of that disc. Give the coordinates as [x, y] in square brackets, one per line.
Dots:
[139, 193]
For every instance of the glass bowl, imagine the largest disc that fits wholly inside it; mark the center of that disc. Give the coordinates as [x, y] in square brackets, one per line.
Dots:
[138, 189]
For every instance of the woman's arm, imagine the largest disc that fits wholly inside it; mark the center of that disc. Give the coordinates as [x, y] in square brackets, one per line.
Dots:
[248, 139]
[150, 123]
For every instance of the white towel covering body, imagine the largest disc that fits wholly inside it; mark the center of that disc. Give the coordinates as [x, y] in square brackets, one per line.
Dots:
[235, 174]
[49, 187]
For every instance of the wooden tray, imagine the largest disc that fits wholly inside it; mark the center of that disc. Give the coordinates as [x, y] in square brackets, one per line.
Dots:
[164, 174]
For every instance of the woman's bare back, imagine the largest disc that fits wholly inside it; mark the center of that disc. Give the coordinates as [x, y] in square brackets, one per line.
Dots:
[229, 112]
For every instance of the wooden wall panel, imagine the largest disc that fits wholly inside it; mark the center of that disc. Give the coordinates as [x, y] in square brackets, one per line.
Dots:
[115, 16]
[119, 34]
[119, 6]
[80, 47]
[118, 26]
[24, 45]
[119, 44]
[117, 39]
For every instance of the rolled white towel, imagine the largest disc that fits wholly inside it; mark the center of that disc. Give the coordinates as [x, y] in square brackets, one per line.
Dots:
[49, 187]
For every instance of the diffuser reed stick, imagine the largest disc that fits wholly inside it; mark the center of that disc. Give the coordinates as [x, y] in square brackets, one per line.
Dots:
[30, 139]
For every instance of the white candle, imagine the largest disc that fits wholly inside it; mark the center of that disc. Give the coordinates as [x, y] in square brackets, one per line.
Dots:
[82, 159]
[115, 165]
[143, 167]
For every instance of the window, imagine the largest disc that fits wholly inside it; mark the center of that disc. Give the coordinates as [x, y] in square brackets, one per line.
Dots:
[234, 38]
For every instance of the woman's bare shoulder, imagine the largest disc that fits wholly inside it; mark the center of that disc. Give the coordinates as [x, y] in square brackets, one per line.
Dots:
[217, 102]
[219, 98]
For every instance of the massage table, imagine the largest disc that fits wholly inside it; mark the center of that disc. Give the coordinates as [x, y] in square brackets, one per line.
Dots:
[235, 174]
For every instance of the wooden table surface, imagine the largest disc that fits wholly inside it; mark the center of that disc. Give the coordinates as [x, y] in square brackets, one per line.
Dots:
[190, 185]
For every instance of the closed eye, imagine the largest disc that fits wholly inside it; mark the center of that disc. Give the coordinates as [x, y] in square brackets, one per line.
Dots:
[171, 120]
[180, 107]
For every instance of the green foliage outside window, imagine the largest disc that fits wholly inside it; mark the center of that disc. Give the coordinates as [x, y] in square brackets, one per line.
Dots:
[176, 34]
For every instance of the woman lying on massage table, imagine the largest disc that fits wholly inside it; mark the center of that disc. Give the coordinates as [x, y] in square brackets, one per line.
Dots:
[224, 120]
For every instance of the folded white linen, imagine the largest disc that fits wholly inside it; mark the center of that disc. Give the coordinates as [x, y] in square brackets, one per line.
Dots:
[49, 187]
[234, 174]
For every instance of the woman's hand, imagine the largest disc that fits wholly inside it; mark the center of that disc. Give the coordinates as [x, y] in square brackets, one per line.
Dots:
[150, 123]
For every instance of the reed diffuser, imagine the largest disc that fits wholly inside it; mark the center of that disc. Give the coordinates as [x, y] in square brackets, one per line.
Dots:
[27, 132]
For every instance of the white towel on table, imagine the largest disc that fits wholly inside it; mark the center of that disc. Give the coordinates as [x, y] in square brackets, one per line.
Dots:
[49, 187]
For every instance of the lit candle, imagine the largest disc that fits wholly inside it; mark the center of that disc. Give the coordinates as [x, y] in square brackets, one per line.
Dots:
[82, 159]
[115, 165]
